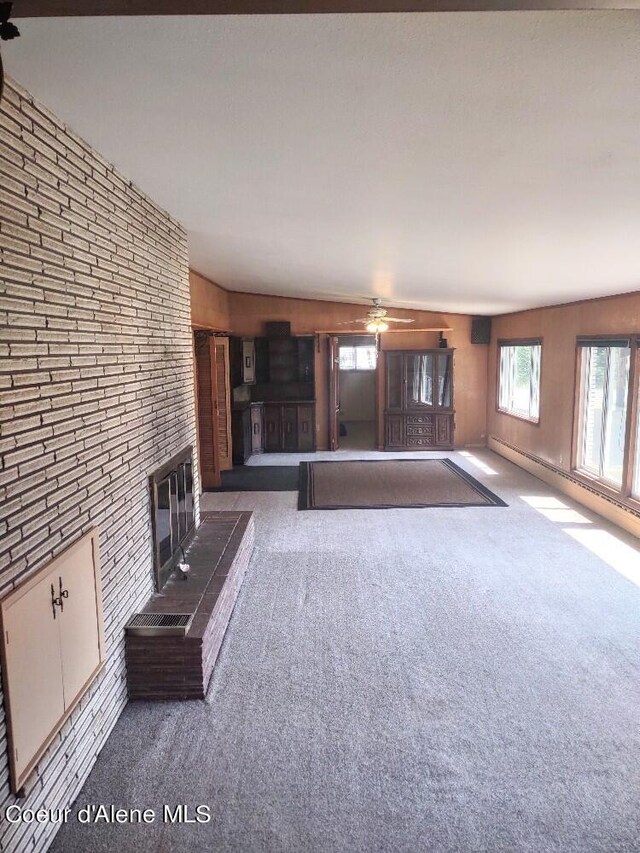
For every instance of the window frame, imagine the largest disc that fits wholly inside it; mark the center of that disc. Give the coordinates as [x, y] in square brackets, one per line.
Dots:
[519, 342]
[631, 453]
[358, 369]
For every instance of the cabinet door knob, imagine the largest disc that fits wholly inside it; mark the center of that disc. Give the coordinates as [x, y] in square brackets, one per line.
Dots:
[58, 600]
[64, 593]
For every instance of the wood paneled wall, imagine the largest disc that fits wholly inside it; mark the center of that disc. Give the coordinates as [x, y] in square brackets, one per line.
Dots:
[558, 326]
[246, 314]
[209, 304]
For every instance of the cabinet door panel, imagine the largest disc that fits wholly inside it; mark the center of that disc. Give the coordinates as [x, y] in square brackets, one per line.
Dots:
[272, 439]
[289, 428]
[306, 359]
[395, 379]
[444, 430]
[395, 430]
[33, 677]
[306, 426]
[256, 429]
[419, 387]
[443, 380]
[79, 620]
[249, 362]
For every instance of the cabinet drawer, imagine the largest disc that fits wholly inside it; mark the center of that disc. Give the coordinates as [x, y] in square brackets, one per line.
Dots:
[425, 420]
[413, 429]
[419, 441]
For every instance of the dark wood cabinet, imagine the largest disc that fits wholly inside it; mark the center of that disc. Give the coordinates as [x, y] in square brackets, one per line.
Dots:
[419, 406]
[289, 427]
[281, 416]
[284, 369]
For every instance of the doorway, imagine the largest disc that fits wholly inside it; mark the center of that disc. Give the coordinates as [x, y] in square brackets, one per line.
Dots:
[353, 392]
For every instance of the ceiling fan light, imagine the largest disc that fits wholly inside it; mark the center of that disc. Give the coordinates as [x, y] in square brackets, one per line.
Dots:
[376, 326]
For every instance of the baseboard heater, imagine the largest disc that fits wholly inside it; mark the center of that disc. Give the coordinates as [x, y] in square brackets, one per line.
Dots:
[604, 505]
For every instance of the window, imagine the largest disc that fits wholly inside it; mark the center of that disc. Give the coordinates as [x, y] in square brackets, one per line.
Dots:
[604, 385]
[519, 380]
[635, 488]
[357, 358]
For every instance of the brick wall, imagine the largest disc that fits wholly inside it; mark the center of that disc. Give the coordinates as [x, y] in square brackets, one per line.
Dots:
[96, 379]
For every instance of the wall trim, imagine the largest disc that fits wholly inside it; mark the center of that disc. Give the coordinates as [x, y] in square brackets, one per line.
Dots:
[614, 511]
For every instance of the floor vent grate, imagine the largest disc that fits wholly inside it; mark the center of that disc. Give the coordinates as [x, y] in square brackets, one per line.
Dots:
[156, 624]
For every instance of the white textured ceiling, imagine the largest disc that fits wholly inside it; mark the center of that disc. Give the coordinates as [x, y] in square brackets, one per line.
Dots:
[478, 162]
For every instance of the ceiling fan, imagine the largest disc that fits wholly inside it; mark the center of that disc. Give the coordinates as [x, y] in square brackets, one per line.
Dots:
[376, 320]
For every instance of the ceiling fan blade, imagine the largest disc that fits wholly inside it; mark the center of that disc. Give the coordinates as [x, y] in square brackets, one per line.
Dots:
[398, 320]
[351, 322]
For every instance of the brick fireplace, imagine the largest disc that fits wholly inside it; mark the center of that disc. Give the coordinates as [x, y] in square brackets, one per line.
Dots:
[97, 392]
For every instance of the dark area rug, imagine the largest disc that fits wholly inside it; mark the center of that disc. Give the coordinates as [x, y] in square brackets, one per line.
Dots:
[397, 483]
[259, 478]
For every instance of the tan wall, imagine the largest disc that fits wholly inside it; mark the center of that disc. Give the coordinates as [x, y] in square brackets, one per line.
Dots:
[357, 395]
[551, 439]
[209, 304]
[247, 314]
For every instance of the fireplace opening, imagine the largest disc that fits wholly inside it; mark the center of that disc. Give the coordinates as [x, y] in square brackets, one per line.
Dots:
[172, 516]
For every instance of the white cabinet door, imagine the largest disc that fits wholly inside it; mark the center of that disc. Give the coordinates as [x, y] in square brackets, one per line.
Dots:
[33, 678]
[79, 621]
[49, 660]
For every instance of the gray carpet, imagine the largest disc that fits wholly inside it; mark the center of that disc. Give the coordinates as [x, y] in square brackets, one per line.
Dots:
[406, 680]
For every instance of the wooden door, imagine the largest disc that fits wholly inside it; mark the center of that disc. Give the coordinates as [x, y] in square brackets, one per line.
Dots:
[80, 618]
[32, 670]
[272, 439]
[306, 428]
[220, 348]
[209, 451]
[334, 393]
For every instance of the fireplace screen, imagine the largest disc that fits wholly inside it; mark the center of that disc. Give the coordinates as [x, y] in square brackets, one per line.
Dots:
[171, 512]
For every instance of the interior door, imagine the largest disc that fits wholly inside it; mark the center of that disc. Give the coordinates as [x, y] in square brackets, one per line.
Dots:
[334, 393]
[223, 402]
[208, 446]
